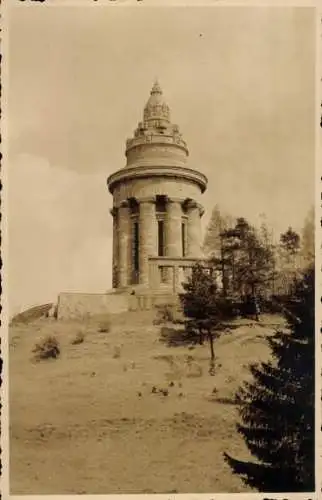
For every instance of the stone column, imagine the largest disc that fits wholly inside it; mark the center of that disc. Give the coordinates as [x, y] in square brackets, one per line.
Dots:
[114, 213]
[173, 229]
[148, 237]
[124, 240]
[194, 242]
[173, 238]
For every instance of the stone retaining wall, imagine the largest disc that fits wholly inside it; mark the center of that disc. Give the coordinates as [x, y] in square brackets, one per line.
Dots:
[145, 302]
[82, 305]
[78, 305]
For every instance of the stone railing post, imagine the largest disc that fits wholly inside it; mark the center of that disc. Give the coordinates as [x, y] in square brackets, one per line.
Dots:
[176, 279]
[147, 238]
[154, 278]
[195, 212]
[123, 232]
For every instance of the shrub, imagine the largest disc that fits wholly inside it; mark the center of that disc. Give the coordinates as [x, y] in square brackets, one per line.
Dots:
[176, 336]
[194, 370]
[46, 348]
[168, 313]
[79, 338]
[117, 352]
[104, 325]
[165, 314]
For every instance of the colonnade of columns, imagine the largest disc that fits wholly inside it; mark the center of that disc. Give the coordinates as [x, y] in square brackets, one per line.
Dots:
[177, 212]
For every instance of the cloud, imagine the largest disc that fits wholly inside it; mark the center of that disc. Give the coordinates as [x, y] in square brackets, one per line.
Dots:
[60, 235]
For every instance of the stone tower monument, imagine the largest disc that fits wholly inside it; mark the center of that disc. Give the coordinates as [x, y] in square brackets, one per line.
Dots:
[156, 204]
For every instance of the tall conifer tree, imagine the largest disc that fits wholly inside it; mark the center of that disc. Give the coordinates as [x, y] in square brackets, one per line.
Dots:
[277, 407]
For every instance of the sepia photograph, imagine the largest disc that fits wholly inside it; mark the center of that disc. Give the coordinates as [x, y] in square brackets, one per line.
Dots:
[160, 222]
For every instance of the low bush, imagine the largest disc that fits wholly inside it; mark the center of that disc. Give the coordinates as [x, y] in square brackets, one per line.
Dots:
[172, 336]
[104, 325]
[168, 313]
[47, 348]
[117, 352]
[79, 338]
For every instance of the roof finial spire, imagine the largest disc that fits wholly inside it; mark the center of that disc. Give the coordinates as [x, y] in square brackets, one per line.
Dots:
[156, 89]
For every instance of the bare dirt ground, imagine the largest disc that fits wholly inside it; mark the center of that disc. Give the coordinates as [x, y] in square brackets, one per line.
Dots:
[89, 421]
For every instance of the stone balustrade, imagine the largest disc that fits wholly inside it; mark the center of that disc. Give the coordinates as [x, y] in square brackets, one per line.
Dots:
[181, 267]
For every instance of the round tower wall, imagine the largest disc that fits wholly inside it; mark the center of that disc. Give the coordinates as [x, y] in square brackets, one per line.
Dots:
[156, 155]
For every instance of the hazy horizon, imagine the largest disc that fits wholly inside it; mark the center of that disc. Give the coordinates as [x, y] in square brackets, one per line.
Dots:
[239, 83]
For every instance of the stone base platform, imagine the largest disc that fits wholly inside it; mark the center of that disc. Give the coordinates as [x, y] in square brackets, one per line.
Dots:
[83, 305]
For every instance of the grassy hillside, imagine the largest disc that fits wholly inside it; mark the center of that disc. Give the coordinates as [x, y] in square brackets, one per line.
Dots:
[94, 420]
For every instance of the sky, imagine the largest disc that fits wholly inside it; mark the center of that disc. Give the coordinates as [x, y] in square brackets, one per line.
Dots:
[239, 82]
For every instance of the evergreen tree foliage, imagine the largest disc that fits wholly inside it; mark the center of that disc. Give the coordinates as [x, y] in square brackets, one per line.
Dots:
[289, 265]
[277, 407]
[218, 223]
[290, 242]
[266, 233]
[250, 262]
[308, 238]
[203, 306]
[199, 299]
[242, 255]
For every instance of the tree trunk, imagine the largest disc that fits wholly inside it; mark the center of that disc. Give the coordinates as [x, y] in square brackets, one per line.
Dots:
[200, 336]
[211, 343]
[222, 255]
[212, 368]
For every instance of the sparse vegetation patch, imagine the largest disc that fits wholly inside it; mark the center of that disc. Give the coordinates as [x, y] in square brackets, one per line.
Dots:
[117, 352]
[104, 325]
[168, 313]
[79, 338]
[47, 348]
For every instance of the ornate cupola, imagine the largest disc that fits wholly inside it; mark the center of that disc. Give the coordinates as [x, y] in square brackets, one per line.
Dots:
[157, 147]
[156, 108]
[156, 135]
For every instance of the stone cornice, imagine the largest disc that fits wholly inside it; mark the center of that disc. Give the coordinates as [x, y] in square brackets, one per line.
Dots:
[188, 204]
[130, 173]
[150, 199]
[172, 199]
[113, 211]
[124, 204]
[192, 204]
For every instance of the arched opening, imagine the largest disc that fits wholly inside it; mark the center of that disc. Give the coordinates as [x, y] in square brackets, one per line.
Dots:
[161, 203]
[185, 205]
[134, 206]
[161, 208]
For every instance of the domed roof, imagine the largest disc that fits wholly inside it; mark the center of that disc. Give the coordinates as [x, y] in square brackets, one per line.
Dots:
[156, 127]
[156, 107]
